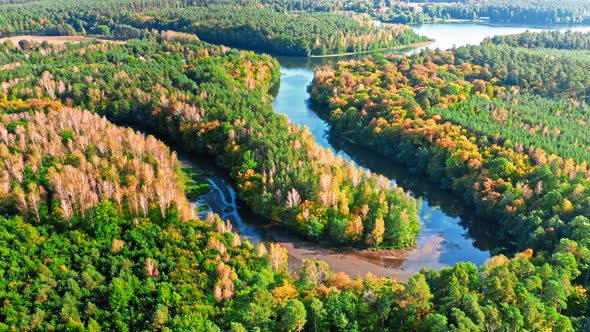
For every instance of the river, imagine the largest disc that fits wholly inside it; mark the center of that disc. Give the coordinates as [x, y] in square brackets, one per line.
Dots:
[449, 233]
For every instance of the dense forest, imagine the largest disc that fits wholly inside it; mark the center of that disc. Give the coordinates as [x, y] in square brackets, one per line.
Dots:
[297, 23]
[547, 72]
[569, 40]
[57, 166]
[109, 265]
[489, 122]
[245, 24]
[504, 148]
[96, 231]
[533, 12]
[301, 34]
[215, 101]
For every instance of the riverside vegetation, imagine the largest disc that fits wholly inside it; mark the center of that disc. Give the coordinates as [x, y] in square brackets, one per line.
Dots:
[510, 138]
[214, 100]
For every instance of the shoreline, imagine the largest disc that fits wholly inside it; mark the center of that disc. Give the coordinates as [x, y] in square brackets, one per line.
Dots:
[60, 40]
[355, 262]
[399, 47]
[487, 22]
[443, 21]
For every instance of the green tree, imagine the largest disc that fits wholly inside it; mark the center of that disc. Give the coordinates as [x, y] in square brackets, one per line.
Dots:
[294, 316]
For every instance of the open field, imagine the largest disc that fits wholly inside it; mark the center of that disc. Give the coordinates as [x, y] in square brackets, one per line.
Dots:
[57, 40]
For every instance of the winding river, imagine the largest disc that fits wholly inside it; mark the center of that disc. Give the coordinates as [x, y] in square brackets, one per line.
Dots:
[449, 234]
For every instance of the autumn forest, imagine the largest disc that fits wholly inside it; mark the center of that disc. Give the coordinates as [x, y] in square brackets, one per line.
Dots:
[99, 226]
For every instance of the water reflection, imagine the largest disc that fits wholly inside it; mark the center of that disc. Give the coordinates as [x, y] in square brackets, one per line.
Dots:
[443, 240]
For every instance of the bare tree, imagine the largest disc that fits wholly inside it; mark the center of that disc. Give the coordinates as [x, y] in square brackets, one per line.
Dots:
[46, 81]
[293, 199]
[278, 257]
[151, 269]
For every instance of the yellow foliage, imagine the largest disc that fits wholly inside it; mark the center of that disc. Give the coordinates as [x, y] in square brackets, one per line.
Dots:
[567, 205]
[285, 292]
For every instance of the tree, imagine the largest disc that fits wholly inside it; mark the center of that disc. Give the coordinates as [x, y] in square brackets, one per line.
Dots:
[376, 236]
[419, 296]
[317, 312]
[294, 316]
[24, 44]
[103, 30]
[278, 257]
[554, 295]
[237, 327]
[434, 323]
[46, 81]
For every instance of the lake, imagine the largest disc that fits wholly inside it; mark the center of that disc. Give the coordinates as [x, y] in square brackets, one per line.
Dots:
[447, 35]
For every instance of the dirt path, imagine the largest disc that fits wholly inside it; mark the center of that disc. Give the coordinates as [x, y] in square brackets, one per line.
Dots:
[56, 40]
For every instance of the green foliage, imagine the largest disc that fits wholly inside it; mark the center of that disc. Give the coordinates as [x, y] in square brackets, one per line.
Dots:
[513, 155]
[259, 26]
[194, 183]
[103, 240]
[568, 40]
[533, 12]
[294, 317]
[214, 100]
[300, 34]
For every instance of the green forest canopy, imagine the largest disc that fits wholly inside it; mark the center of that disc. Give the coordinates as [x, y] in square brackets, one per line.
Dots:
[247, 24]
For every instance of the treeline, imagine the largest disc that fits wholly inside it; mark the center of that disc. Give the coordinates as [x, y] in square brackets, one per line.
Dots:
[245, 24]
[294, 27]
[214, 100]
[62, 17]
[542, 12]
[401, 12]
[394, 106]
[569, 40]
[267, 30]
[308, 5]
[536, 12]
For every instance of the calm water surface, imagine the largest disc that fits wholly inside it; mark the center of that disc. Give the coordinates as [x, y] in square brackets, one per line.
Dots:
[447, 35]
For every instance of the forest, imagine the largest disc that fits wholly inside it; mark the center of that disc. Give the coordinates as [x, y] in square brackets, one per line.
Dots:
[569, 40]
[302, 34]
[264, 27]
[96, 240]
[504, 127]
[532, 12]
[97, 233]
[286, 27]
[215, 101]
[502, 147]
